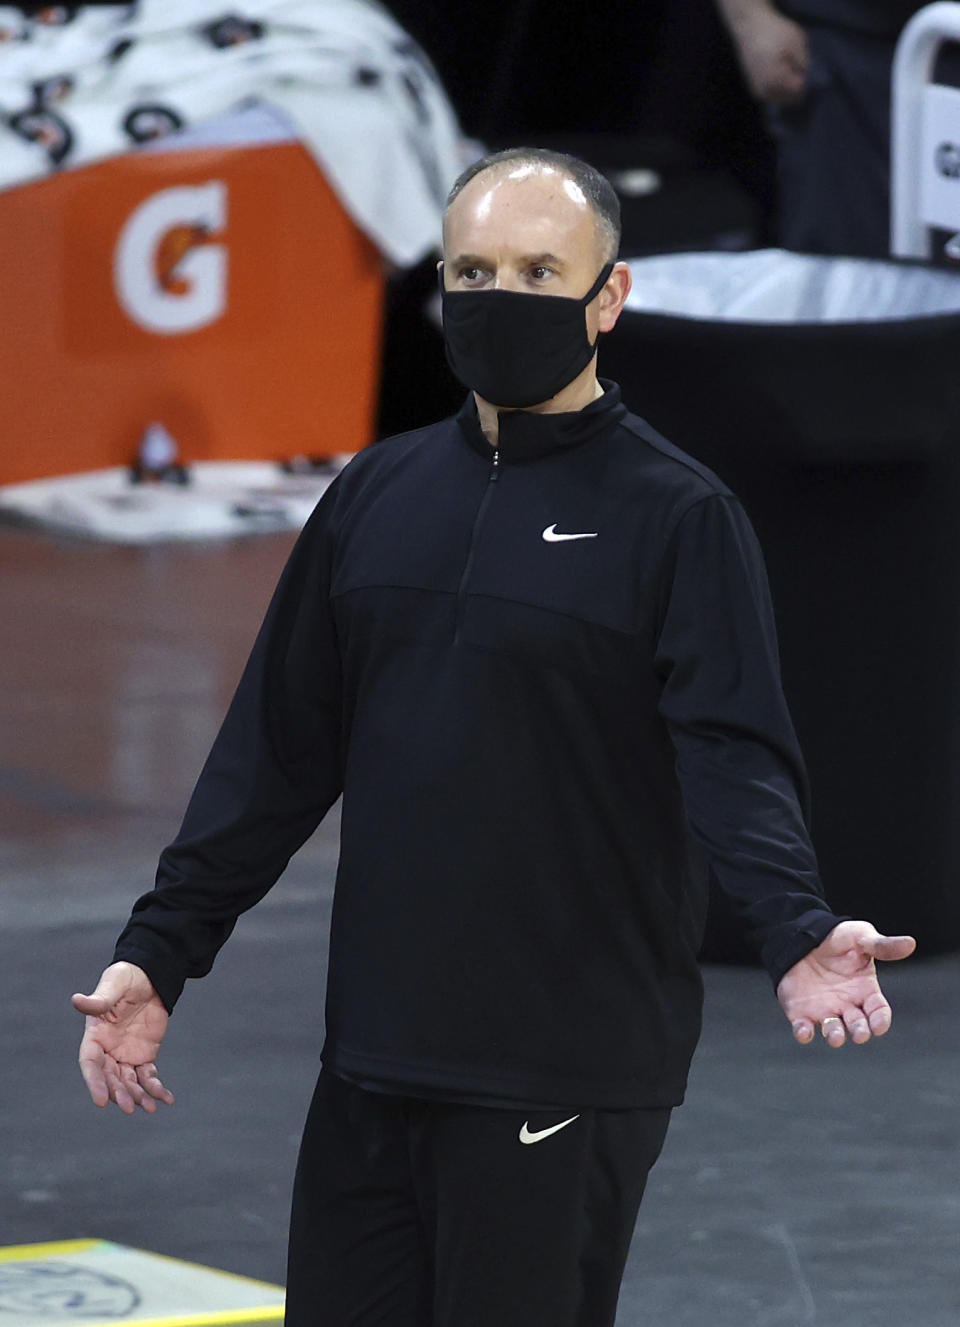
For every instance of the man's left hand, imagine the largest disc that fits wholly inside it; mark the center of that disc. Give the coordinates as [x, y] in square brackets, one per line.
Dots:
[836, 985]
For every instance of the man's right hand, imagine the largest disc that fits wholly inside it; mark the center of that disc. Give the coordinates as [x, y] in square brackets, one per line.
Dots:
[125, 1023]
[773, 50]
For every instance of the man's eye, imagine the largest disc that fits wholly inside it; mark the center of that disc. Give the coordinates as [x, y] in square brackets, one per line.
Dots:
[469, 273]
[539, 273]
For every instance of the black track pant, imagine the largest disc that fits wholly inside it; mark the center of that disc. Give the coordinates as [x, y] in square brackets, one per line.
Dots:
[411, 1213]
[833, 149]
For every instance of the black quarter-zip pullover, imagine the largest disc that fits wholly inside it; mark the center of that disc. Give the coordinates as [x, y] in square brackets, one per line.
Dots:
[546, 682]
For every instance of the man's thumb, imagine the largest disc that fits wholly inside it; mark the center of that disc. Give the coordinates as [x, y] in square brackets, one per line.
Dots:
[114, 983]
[94, 1003]
[890, 947]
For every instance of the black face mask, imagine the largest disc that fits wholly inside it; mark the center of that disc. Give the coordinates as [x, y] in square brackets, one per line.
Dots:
[515, 348]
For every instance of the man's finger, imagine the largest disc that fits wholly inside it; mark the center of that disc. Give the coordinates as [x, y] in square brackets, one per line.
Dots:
[92, 1005]
[791, 83]
[149, 1080]
[129, 1078]
[880, 1019]
[139, 1095]
[116, 981]
[803, 1031]
[857, 1025]
[119, 1093]
[889, 948]
[113, 984]
[91, 1067]
[833, 1030]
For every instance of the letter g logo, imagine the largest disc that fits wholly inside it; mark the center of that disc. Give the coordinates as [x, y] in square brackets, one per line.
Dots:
[948, 160]
[168, 275]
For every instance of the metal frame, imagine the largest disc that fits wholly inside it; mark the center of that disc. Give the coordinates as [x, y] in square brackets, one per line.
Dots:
[913, 66]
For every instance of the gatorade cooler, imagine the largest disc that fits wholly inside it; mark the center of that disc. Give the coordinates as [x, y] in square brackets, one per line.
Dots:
[218, 288]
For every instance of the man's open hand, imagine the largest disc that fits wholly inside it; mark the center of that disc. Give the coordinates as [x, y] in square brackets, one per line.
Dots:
[125, 1024]
[836, 985]
[774, 54]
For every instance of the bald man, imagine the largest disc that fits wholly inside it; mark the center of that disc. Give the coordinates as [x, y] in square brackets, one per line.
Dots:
[532, 647]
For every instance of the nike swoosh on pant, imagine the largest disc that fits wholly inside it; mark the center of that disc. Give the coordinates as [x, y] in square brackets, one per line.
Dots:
[526, 1136]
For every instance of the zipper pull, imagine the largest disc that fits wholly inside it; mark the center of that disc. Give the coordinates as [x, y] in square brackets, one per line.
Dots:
[495, 472]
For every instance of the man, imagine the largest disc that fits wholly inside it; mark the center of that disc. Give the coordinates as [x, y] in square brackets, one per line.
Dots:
[528, 644]
[823, 68]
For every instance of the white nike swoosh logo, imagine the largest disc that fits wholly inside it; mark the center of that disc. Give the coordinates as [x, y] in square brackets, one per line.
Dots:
[551, 536]
[527, 1137]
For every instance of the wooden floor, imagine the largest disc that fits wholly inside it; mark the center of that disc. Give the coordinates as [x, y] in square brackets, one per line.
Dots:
[798, 1185]
[116, 666]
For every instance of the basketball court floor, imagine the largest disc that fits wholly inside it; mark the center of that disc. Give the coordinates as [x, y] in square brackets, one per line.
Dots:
[798, 1185]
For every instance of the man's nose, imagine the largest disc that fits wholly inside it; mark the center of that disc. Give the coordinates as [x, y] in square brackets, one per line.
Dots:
[505, 280]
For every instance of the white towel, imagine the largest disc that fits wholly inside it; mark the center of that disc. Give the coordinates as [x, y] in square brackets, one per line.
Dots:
[361, 94]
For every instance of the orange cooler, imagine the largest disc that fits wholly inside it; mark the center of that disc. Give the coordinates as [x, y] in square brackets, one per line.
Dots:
[222, 291]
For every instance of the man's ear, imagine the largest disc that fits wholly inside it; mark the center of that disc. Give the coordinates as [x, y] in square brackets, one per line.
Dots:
[614, 296]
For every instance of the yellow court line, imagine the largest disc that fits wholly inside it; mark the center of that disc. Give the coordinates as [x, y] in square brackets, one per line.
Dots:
[15, 1252]
[268, 1313]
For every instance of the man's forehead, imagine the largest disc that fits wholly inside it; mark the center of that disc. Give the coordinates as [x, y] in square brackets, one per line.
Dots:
[546, 175]
[520, 179]
[524, 203]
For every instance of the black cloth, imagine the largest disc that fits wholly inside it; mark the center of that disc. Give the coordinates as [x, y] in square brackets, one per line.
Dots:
[412, 1213]
[833, 149]
[879, 18]
[525, 671]
[439, 1094]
